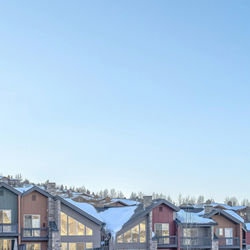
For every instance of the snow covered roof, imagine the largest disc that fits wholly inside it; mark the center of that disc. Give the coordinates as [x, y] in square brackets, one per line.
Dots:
[247, 226]
[24, 189]
[87, 208]
[116, 217]
[126, 202]
[192, 218]
[224, 206]
[235, 215]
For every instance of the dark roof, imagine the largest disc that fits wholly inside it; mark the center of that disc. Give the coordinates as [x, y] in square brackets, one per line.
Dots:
[223, 213]
[78, 210]
[10, 188]
[141, 212]
[39, 190]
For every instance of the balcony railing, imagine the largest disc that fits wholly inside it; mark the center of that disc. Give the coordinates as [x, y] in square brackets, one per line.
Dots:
[6, 229]
[196, 242]
[34, 234]
[166, 241]
[229, 242]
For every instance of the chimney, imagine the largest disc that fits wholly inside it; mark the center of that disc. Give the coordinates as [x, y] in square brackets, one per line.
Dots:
[208, 208]
[147, 201]
[51, 188]
[248, 214]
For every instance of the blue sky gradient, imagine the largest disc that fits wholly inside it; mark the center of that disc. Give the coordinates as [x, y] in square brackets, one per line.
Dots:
[136, 95]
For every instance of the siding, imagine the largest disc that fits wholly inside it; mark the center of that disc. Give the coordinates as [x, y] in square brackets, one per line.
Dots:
[164, 216]
[38, 207]
[9, 200]
[226, 223]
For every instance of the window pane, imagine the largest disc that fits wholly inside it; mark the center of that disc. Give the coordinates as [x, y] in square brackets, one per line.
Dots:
[72, 246]
[80, 246]
[72, 226]
[64, 246]
[89, 231]
[143, 232]
[89, 245]
[80, 229]
[64, 224]
[127, 237]
[6, 216]
[165, 229]
[119, 239]
[33, 246]
[135, 233]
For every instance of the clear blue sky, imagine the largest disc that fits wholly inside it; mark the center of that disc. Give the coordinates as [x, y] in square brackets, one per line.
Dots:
[136, 95]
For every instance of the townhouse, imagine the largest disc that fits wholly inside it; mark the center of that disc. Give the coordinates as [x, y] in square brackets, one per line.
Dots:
[36, 218]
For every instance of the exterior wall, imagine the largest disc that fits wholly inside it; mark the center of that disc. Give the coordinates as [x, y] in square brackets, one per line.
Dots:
[95, 238]
[164, 216]
[225, 223]
[248, 238]
[9, 200]
[136, 246]
[37, 207]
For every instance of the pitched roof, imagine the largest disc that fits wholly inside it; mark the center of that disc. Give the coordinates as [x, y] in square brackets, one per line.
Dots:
[229, 214]
[37, 189]
[192, 218]
[84, 209]
[13, 190]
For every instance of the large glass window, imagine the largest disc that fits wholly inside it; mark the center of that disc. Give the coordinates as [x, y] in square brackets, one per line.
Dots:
[143, 232]
[64, 224]
[5, 216]
[64, 246]
[76, 246]
[162, 230]
[70, 226]
[89, 231]
[5, 244]
[33, 246]
[31, 223]
[89, 245]
[134, 235]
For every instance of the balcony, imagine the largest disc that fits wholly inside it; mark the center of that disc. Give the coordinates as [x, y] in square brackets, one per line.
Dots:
[34, 234]
[166, 241]
[8, 230]
[196, 242]
[229, 243]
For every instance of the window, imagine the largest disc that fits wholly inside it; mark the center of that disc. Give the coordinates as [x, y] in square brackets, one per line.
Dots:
[162, 229]
[64, 223]
[5, 244]
[120, 239]
[64, 246]
[31, 221]
[1, 192]
[33, 197]
[76, 246]
[190, 232]
[89, 231]
[134, 235]
[219, 231]
[160, 209]
[89, 245]
[70, 226]
[33, 246]
[143, 232]
[5, 216]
